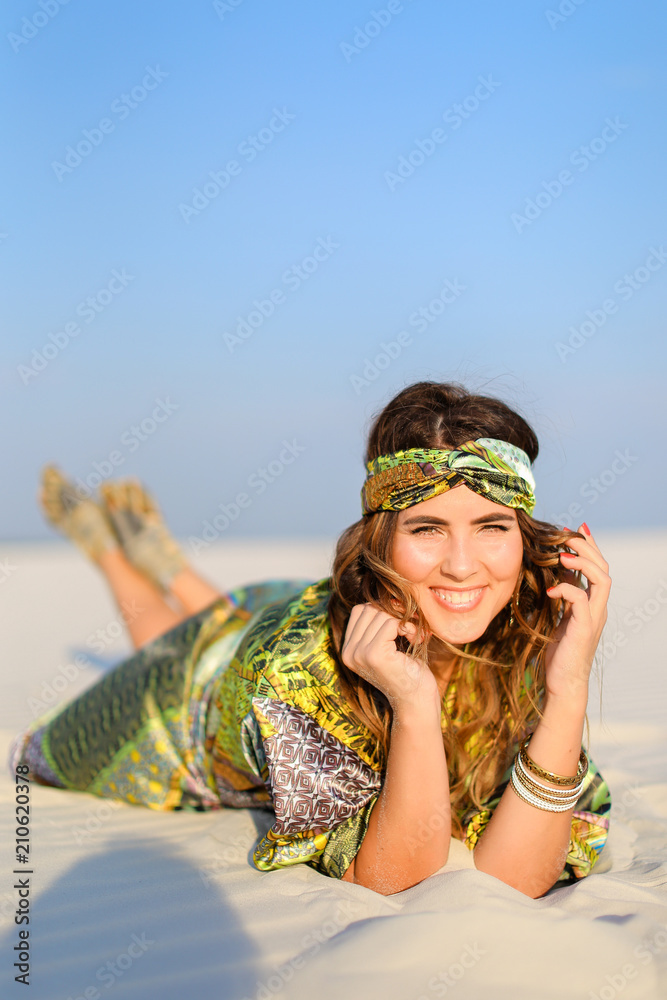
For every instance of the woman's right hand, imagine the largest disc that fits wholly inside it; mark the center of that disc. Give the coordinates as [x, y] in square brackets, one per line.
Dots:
[369, 649]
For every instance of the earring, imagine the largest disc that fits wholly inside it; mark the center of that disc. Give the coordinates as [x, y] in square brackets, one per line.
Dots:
[510, 620]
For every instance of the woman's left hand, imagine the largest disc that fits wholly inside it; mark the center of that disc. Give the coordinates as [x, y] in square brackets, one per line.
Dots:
[568, 661]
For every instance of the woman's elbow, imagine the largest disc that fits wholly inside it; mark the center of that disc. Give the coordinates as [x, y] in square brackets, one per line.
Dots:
[530, 885]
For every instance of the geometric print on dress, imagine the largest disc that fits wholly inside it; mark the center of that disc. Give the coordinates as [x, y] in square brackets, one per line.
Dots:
[316, 781]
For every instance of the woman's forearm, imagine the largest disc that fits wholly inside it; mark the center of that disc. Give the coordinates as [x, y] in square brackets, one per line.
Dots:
[524, 846]
[409, 829]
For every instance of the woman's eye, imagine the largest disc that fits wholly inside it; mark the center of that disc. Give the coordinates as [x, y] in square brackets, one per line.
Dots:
[429, 528]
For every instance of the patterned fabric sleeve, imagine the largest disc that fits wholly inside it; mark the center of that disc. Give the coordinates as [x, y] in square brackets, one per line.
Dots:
[285, 725]
[589, 829]
[322, 792]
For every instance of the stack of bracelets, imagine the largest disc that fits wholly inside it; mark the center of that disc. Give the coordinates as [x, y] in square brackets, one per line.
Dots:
[524, 782]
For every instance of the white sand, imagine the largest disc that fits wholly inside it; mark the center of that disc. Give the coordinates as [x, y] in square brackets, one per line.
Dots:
[173, 902]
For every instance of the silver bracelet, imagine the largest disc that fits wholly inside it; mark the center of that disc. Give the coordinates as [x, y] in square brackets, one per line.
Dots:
[542, 797]
[533, 800]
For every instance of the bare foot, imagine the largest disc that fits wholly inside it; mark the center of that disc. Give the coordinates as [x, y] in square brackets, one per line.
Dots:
[145, 538]
[82, 520]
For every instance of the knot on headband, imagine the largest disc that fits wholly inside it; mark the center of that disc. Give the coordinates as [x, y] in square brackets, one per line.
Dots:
[495, 469]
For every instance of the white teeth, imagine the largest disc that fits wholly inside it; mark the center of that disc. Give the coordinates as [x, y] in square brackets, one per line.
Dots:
[459, 597]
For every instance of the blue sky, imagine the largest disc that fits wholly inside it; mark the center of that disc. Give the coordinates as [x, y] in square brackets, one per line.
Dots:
[163, 323]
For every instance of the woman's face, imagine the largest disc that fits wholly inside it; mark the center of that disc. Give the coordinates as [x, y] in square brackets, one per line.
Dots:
[462, 553]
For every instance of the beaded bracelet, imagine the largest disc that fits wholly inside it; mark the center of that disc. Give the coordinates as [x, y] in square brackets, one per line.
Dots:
[557, 779]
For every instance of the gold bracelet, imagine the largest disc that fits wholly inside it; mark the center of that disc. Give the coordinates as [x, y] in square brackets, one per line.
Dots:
[541, 791]
[557, 779]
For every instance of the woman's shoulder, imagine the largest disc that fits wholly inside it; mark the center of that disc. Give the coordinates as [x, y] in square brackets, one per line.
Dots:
[289, 664]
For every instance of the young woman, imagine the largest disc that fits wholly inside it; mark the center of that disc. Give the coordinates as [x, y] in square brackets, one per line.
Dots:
[433, 688]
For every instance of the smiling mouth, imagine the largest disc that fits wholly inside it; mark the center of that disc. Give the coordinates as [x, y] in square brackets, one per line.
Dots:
[458, 600]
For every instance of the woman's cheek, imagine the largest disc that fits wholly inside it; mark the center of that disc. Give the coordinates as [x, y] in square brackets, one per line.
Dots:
[413, 560]
[506, 561]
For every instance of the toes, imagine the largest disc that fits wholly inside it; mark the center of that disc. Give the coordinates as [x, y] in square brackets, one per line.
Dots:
[50, 472]
[135, 497]
[57, 494]
[149, 505]
[52, 480]
[117, 496]
[130, 496]
[111, 492]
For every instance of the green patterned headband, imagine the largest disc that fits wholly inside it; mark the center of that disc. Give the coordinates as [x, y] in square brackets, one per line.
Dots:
[495, 469]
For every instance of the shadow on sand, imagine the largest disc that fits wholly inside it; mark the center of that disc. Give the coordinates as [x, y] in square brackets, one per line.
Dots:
[113, 925]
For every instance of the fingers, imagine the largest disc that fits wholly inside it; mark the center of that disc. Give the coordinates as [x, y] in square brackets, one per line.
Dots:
[577, 601]
[409, 630]
[583, 605]
[588, 559]
[370, 640]
[364, 623]
[588, 547]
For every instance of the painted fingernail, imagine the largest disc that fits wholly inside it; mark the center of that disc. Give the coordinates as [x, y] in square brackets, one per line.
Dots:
[549, 589]
[586, 528]
[567, 529]
[568, 555]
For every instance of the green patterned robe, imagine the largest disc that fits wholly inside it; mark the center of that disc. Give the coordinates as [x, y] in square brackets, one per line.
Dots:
[240, 706]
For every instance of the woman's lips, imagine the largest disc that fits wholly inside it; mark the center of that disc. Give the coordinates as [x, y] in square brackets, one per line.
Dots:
[458, 601]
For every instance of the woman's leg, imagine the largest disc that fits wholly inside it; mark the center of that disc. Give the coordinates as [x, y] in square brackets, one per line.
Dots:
[150, 547]
[192, 592]
[143, 607]
[144, 610]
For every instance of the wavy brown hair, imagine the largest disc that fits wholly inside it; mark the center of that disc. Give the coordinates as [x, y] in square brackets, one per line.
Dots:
[500, 676]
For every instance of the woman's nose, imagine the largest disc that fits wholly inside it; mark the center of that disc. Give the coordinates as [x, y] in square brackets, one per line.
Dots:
[458, 560]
